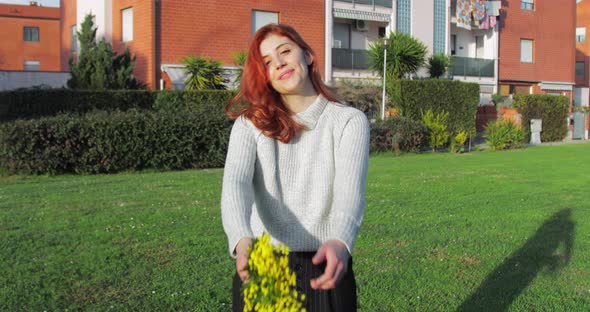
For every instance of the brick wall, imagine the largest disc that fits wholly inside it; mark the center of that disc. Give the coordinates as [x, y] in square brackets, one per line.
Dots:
[143, 45]
[68, 19]
[583, 48]
[552, 27]
[217, 29]
[14, 51]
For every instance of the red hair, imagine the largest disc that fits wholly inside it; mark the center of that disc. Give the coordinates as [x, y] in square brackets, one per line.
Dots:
[263, 105]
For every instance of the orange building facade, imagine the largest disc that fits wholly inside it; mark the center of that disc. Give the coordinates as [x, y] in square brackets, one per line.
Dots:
[30, 38]
[160, 33]
[583, 43]
[537, 47]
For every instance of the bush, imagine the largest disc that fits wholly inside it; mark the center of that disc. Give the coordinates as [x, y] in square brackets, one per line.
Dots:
[102, 142]
[437, 128]
[504, 134]
[362, 96]
[458, 142]
[26, 104]
[184, 99]
[552, 110]
[397, 134]
[459, 99]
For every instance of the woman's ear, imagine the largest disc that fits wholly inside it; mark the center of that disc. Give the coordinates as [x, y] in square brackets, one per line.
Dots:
[308, 58]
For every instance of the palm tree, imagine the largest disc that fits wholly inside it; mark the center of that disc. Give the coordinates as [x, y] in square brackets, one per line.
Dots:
[405, 54]
[203, 73]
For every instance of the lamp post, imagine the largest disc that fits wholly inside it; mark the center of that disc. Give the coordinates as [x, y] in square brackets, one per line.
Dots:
[384, 78]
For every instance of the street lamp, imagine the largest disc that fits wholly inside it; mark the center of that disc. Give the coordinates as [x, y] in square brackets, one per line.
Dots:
[384, 78]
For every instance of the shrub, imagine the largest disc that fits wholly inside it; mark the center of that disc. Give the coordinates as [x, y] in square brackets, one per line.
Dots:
[458, 142]
[438, 64]
[437, 128]
[362, 96]
[398, 134]
[102, 142]
[552, 110]
[215, 100]
[504, 134]
[25, 104]
[459, 99]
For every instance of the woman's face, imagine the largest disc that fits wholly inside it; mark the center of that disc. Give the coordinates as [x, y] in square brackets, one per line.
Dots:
[286, 65]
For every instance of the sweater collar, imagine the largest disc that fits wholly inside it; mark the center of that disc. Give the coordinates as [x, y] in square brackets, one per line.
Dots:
[309, 118]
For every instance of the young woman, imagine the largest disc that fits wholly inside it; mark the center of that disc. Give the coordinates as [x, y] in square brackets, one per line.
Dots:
[296, 168]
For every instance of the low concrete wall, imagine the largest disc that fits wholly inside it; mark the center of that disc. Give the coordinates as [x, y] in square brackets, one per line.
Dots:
[10, 80]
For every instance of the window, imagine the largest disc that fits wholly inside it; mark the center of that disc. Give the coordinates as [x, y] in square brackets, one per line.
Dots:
[262, 18]
[32, 65]
[527, 5]
[127, 25]
[382, 32]
[453, 44]
[581, 34]
[74, 38]
[440, 28]
[580, 69]
[31, 34]
[341, 36]
[526, 51]
[404, 16]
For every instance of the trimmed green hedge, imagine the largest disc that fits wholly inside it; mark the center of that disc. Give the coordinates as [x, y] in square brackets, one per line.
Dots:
[103, 142]
[459, 99]
[28, 104]
[552, 110]
[175, 99]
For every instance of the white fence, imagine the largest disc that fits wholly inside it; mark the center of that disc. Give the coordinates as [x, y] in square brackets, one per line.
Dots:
[10, 80]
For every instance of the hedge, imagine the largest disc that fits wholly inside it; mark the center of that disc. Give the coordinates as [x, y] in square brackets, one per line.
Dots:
[552, 110]
[27, 104]
[459, 99]
[174, 99]
[106, 142]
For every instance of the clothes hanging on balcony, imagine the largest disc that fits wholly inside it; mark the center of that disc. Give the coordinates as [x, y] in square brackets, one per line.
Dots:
[478, 10]
[485, 23]
[493, 20]
[464, 14]
[493, 8]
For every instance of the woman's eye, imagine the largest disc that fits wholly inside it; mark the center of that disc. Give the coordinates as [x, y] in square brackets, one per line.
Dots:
[267, 63]
[285, 51]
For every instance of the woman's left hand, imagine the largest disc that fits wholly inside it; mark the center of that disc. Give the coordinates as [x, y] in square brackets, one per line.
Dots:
[336, 255]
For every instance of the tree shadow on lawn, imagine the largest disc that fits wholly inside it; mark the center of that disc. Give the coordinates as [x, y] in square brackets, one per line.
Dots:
[502, 286]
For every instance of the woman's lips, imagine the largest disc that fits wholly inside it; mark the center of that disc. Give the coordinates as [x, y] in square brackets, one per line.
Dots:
[286, 75]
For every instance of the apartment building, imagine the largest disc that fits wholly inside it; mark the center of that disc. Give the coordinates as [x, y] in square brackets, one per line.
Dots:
[30, 38]
[161, 33]
[537, 48]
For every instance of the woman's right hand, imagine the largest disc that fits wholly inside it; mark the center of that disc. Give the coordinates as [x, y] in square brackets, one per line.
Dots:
[242, 257]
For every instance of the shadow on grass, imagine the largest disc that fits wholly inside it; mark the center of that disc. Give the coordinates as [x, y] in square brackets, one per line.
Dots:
[502, 286]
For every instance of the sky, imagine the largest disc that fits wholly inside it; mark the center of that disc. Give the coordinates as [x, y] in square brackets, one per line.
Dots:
[45, 3]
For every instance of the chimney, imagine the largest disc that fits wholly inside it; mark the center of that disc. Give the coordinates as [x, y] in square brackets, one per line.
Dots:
[33, 3]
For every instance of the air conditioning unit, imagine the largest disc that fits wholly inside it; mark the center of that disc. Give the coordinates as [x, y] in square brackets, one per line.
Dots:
[337, 44]
[361, 25]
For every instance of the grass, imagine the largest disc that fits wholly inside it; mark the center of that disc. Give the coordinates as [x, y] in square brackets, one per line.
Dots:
[471, 232]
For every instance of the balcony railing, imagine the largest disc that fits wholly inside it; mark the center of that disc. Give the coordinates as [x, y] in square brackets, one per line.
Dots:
[349, 59]
[383, 3]
[472, 67]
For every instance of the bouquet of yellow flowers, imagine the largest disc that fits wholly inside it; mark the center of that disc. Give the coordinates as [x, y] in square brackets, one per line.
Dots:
[270, 281]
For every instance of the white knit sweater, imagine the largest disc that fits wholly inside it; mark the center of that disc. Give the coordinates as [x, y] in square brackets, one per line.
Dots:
[303, 193]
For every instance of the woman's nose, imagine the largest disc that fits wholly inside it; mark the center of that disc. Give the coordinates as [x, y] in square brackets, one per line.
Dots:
[280, 63]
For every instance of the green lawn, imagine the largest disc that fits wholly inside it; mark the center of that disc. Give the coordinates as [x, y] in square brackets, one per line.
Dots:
[489, 230]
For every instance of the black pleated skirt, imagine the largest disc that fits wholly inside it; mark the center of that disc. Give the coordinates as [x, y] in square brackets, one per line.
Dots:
[341, 298]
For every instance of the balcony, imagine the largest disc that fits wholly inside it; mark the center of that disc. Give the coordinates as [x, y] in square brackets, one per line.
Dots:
[349, 59]
[383, 3]
[472, 67]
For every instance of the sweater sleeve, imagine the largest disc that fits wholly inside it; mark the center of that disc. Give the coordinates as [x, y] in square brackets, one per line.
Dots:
[237, 195]
[351, 162]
